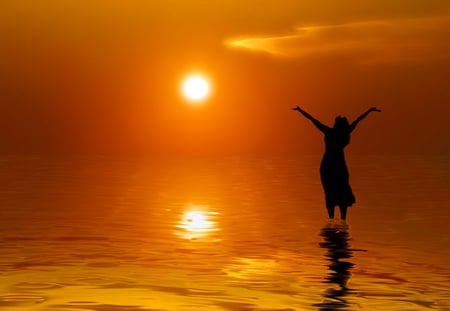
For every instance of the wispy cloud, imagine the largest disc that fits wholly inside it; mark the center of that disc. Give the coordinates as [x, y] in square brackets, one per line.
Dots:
[371, 41]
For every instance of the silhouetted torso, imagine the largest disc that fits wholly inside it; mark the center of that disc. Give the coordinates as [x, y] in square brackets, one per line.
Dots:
[336, 141]
[333, 169]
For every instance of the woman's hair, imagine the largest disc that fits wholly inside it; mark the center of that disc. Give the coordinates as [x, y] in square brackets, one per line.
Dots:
[341, 123]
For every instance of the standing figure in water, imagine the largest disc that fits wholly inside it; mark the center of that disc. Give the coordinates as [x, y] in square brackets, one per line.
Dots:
[333, 169]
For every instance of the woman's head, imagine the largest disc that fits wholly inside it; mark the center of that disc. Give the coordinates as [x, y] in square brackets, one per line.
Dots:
[341, 123]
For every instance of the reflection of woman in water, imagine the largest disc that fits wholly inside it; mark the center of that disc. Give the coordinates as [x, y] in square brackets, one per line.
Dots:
[338, 253]
[333, 169]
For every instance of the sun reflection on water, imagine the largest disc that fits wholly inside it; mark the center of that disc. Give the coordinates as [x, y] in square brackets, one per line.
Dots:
[197, 222]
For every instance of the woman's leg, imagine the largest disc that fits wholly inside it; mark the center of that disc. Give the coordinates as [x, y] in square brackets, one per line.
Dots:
[343, 209]
[330, 210]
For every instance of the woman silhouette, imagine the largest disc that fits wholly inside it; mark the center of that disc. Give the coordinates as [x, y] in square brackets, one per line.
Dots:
[333, 169]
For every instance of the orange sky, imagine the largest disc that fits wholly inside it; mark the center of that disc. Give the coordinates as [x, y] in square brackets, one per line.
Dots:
[103, 76]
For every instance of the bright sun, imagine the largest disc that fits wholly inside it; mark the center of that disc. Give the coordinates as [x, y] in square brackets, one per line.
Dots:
[196, 88]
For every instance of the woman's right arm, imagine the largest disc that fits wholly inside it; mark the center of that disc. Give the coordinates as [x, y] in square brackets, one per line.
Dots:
[317, 123]
[355, 123]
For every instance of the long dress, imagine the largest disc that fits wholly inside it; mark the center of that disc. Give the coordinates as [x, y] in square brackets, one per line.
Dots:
[333, 169]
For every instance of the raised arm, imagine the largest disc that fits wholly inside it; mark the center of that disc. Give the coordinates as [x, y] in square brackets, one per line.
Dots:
[355, 123]
[323, 128]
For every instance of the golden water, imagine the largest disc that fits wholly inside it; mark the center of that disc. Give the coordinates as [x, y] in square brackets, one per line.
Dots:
[221, 234]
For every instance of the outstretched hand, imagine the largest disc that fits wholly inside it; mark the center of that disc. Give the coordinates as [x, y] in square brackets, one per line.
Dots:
[296, 108]
[375, 109]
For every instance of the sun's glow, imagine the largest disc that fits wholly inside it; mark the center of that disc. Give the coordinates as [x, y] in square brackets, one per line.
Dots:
[196, 88]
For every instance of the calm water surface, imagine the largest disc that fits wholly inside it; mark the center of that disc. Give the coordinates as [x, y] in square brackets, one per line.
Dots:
[104, 234]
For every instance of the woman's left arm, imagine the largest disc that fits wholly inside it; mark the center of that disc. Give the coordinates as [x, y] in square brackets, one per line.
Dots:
[320, 126]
